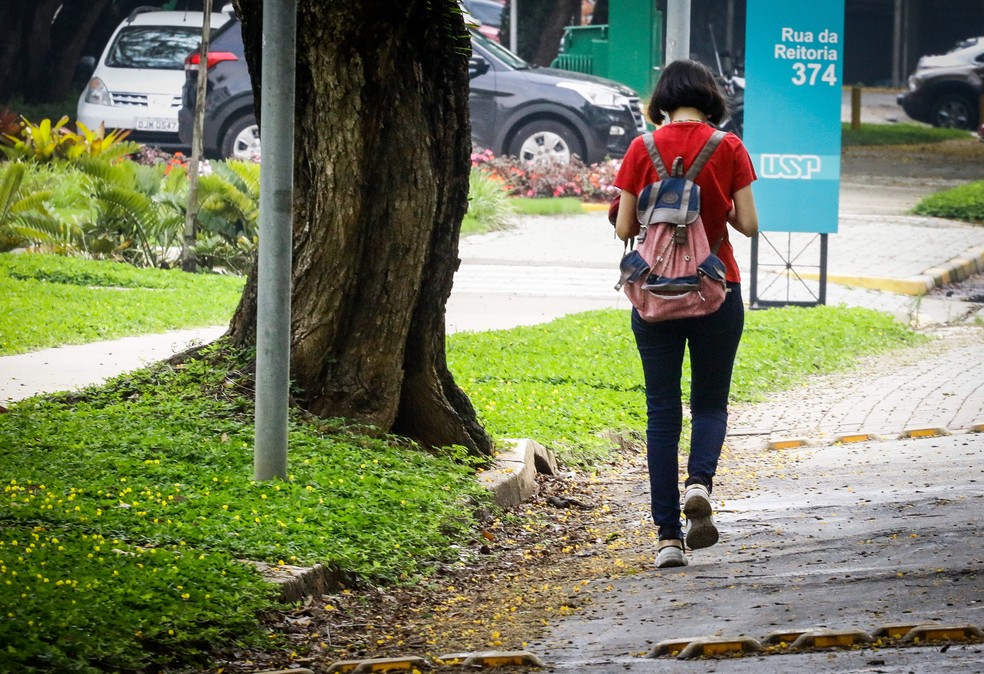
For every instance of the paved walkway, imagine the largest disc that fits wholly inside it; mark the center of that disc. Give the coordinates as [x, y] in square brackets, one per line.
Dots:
[938, 385]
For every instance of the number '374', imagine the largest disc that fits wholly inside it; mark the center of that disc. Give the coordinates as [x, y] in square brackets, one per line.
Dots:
[808, 73]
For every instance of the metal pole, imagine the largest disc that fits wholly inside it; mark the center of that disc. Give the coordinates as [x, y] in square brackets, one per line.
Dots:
[274, 267]
[512, 26]
[856, 107]
[897, 59]
[677, 30]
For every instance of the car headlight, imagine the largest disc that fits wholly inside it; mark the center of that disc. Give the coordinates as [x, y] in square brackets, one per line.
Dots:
[597, 94]
[97, 93]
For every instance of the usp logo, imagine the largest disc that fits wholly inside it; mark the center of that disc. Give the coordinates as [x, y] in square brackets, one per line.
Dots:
[789, 166]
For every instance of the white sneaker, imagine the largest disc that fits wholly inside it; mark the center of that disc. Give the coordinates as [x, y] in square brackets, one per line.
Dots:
[670, 554]
[701, 532]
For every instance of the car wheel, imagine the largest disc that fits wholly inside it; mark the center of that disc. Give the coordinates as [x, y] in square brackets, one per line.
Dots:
[242, 139]
[545, 139]
[954, 111]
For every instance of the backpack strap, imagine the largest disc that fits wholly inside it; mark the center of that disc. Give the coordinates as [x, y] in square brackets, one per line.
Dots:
[649, 140]
[705, 154]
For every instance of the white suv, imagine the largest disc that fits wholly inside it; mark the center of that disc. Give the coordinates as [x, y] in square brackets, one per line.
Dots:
[137, 81]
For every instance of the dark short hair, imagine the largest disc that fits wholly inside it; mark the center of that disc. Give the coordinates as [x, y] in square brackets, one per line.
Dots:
[687, 84]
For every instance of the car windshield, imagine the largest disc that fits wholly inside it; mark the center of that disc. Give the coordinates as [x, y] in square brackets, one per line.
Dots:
[155, 47]
[499, 52]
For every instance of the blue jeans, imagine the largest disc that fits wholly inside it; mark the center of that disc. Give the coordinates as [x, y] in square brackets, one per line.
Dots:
[713, 343]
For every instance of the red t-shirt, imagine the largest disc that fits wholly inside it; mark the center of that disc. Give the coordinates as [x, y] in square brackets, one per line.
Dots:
[728, 170]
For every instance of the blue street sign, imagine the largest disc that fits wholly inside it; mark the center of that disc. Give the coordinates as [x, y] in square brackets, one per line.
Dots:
[794, 54]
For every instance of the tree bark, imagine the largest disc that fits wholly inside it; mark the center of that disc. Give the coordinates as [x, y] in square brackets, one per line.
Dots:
[381, 183]
[563, 13]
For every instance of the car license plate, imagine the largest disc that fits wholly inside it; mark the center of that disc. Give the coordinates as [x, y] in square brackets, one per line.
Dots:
[157, 124]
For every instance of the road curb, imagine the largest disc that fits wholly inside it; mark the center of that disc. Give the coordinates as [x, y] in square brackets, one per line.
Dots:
[957, 269]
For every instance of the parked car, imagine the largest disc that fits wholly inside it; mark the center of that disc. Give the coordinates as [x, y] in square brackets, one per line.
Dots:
[488, 13]
[533, 113]
[136, 82]
[516, 109]
[230, 129]
[945, 90]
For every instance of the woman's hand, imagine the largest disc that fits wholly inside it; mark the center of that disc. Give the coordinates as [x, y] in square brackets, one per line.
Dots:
[743, 215]
[626, 225]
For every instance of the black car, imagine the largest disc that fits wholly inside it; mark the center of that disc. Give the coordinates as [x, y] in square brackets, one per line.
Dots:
[533, 113]
[945, 90]
[516, 109]
[230, 129]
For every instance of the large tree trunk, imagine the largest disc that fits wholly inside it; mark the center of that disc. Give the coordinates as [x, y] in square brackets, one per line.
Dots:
[563, 13]
[381, 183]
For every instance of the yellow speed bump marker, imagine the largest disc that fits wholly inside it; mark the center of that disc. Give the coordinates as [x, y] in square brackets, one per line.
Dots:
[407, 664]
[787, 443]
[832, 639]
[670, 647]
[894, 631]
[502, 659]
[778, 637]
[924, 633]
[924, 432]
[711, 647]
[853, 437]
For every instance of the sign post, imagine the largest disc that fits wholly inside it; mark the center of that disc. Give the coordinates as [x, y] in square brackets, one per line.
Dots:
[792, 128]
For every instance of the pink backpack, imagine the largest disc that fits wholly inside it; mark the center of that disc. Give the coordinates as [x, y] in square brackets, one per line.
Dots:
[674, 273]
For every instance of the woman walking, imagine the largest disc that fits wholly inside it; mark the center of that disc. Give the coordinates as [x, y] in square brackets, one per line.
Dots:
[686, 103]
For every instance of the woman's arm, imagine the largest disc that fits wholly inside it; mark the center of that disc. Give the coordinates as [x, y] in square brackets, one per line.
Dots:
[743, 216]
[626, 224]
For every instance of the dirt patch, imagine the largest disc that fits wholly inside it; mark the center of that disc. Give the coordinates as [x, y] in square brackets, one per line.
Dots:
[968, 290]
[954, 161]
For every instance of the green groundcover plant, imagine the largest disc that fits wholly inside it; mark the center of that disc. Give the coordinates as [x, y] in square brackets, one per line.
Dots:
[964, 202]
[126, 512]
[898, 134]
